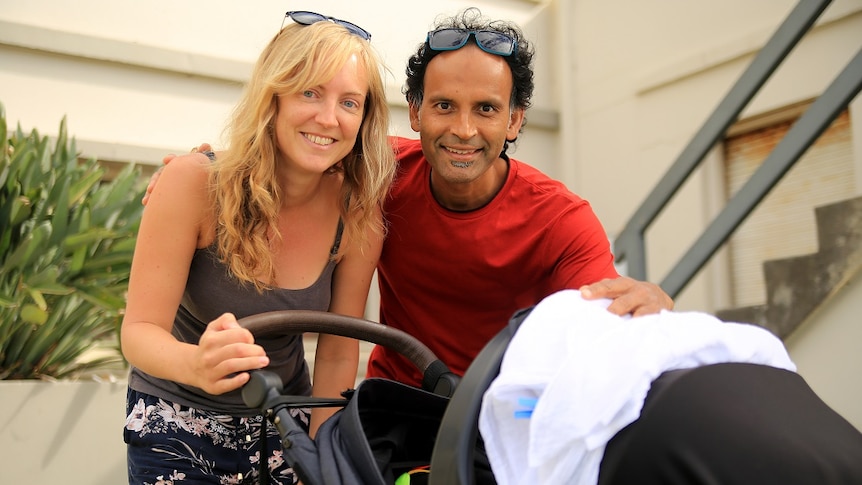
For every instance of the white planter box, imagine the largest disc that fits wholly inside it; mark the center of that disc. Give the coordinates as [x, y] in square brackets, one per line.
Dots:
[68, 432]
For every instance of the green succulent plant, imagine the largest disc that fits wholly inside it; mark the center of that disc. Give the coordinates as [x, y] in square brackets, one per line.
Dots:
[66, 244]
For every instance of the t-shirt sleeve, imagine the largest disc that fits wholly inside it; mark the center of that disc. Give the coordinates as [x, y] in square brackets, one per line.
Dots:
[581, 248]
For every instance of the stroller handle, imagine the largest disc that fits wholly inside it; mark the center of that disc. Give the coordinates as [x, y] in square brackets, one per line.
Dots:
[299, 321]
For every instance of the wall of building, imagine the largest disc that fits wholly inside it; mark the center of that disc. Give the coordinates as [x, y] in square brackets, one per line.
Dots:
[826, 352]
[138, 80]
[638, 79]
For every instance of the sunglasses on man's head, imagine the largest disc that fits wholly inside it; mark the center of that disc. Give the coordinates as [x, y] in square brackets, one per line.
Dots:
[490, 41]
[307, 18]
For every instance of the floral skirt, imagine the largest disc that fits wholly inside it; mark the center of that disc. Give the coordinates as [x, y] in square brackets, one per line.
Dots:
[168, 444]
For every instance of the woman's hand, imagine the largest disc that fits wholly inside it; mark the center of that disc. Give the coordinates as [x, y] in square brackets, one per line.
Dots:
[225, 354]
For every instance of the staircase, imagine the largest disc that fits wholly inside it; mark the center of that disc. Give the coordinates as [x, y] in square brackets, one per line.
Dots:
[798, 286]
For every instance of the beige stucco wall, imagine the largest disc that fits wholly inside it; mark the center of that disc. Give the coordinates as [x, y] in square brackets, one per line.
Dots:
[62, 432]
[826, 352]
[642, 78]
[138, 80]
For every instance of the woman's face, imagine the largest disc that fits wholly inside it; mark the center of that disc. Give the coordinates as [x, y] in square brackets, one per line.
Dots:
[318, 126]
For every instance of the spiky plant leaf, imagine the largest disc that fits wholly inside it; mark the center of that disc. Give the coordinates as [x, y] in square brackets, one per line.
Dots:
[66, 243]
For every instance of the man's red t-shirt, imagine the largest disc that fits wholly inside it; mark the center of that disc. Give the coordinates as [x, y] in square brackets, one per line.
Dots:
[453, 279]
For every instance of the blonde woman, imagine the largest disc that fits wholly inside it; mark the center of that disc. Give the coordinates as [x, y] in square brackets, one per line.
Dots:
[288, 217]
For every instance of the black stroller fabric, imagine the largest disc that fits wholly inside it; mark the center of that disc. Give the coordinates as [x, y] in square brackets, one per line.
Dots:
[386, 429]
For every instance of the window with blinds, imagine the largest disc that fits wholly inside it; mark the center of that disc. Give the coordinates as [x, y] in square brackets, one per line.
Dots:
[783, 225]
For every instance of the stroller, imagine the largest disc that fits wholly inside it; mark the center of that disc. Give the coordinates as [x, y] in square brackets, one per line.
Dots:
[384, 428]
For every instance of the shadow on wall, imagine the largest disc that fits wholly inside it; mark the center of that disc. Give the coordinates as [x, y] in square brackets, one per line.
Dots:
[67, 432]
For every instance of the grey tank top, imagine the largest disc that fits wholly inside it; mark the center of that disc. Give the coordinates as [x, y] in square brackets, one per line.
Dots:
[212, 291]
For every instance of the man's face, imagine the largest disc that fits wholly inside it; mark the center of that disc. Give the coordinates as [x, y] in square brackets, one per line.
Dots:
[465, 117]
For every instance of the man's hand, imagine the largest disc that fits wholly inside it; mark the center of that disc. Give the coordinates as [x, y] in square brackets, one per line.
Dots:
[629, 296]
[204, 147]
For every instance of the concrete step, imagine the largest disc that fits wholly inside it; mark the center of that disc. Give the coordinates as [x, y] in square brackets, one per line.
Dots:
[796, 287]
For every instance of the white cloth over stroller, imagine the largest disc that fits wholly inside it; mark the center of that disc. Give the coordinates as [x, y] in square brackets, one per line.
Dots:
[536, 423]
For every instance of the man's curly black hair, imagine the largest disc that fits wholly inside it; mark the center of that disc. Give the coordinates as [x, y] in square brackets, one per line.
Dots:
[520, 63]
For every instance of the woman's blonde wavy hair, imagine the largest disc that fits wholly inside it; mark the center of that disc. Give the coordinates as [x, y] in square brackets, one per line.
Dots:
[243, 182]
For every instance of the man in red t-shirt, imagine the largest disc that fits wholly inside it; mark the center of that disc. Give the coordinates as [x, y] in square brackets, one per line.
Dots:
[453, 278]
[475, 235]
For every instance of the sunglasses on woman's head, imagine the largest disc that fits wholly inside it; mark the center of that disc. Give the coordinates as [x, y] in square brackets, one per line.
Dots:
[303, 17]
[490, 41]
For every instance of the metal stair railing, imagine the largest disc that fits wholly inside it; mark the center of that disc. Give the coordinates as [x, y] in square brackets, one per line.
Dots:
[630, 246]
[801, 136]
